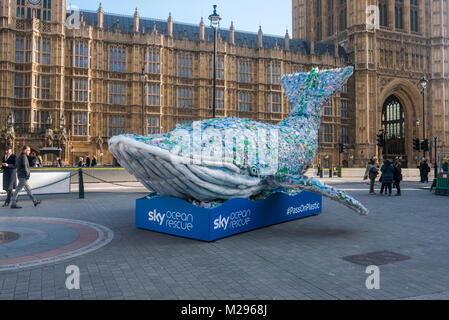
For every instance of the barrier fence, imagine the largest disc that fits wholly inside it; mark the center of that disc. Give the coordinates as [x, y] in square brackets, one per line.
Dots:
[81, 176]
[119, 176]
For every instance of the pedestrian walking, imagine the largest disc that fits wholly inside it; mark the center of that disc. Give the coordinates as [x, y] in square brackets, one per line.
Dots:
[81, 163]
[33, 160]
[94, 162]
[387, 177]
[371, 172]
[397, 176]
[40, 161]
[56, 163]
[9, 174]
[88, 162]
[23, 173]
[424, 170]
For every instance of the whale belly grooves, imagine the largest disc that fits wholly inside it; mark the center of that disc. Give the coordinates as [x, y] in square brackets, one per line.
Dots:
[168, 174]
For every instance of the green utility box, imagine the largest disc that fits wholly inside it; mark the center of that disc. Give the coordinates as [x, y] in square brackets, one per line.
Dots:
[441, 182]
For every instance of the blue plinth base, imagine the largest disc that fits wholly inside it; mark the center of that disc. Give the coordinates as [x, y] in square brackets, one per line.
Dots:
[180, 218]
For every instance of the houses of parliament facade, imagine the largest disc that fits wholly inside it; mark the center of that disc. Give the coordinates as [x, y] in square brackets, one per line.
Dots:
[71, 80]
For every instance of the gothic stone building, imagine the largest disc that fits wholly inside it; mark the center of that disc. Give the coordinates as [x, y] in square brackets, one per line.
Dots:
[72, 81]
[411, 42]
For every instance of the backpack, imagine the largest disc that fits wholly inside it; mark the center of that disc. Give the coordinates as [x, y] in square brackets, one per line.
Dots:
[373, 172]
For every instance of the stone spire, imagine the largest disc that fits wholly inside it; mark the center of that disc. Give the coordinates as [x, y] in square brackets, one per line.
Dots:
[232, 34]
[170, 25]
[337, 47]
[100, 15]
[154, 28]
[260, 37]
[287, 41]
[136, 21]
[202, 29]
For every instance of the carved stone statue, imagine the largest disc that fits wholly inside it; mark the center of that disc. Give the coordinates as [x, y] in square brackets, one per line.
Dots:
[49, 138]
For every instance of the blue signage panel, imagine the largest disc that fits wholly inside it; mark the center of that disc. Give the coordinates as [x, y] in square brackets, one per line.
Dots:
[178, 217]
[173, 216]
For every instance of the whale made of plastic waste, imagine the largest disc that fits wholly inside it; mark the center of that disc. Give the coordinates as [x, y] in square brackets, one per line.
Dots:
[222, 159]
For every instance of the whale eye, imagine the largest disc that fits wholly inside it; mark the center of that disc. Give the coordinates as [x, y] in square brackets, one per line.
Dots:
[254, 171]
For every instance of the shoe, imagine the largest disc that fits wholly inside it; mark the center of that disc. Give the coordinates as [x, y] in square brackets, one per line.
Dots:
[38, 202]
[372, 193]
[6, 204]
[15, 207]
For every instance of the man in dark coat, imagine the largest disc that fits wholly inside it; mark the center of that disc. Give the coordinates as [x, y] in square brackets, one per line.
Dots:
[9, 174]
[33, 160]
[424, 170]
[397, 176]
[387, 177]
[23, 173]
[88, 162]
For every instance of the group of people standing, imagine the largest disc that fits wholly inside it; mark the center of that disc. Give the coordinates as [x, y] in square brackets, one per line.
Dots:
[390, 175]
[89, 163]
[35, 160]
[16, 173]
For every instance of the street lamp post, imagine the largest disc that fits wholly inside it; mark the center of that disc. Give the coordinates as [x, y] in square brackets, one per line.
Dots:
[435, 141]
[144, 79]
[423, 85]
[215, 24]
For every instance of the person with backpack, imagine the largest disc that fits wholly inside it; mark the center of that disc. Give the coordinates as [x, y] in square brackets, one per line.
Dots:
[371, 172]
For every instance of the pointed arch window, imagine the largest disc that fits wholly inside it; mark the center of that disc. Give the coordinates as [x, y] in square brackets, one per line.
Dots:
[393, 124]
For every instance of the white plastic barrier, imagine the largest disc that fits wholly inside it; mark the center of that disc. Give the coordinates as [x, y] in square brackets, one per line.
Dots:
[46, 182]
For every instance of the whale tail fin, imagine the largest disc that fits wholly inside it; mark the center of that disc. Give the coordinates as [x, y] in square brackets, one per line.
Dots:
[307, 92]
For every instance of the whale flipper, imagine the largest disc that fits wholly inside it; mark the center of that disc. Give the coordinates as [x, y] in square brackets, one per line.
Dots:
[316, 186]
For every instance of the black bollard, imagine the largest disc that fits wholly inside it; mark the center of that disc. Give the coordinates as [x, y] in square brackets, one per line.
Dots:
[81, 184]
[321, 172]
[330, 172]
[339, 172]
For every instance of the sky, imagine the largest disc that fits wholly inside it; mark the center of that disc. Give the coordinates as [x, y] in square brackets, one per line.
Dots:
[274, 16]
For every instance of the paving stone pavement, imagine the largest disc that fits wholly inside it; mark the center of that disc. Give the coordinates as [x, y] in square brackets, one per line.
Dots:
[295, 260]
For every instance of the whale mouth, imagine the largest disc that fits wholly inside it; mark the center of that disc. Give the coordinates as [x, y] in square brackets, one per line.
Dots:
[173, 176]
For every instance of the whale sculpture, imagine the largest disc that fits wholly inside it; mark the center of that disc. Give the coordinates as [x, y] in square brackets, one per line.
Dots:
[227, 158]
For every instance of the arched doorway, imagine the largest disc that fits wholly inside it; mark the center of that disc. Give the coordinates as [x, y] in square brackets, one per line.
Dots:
[393, 124]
